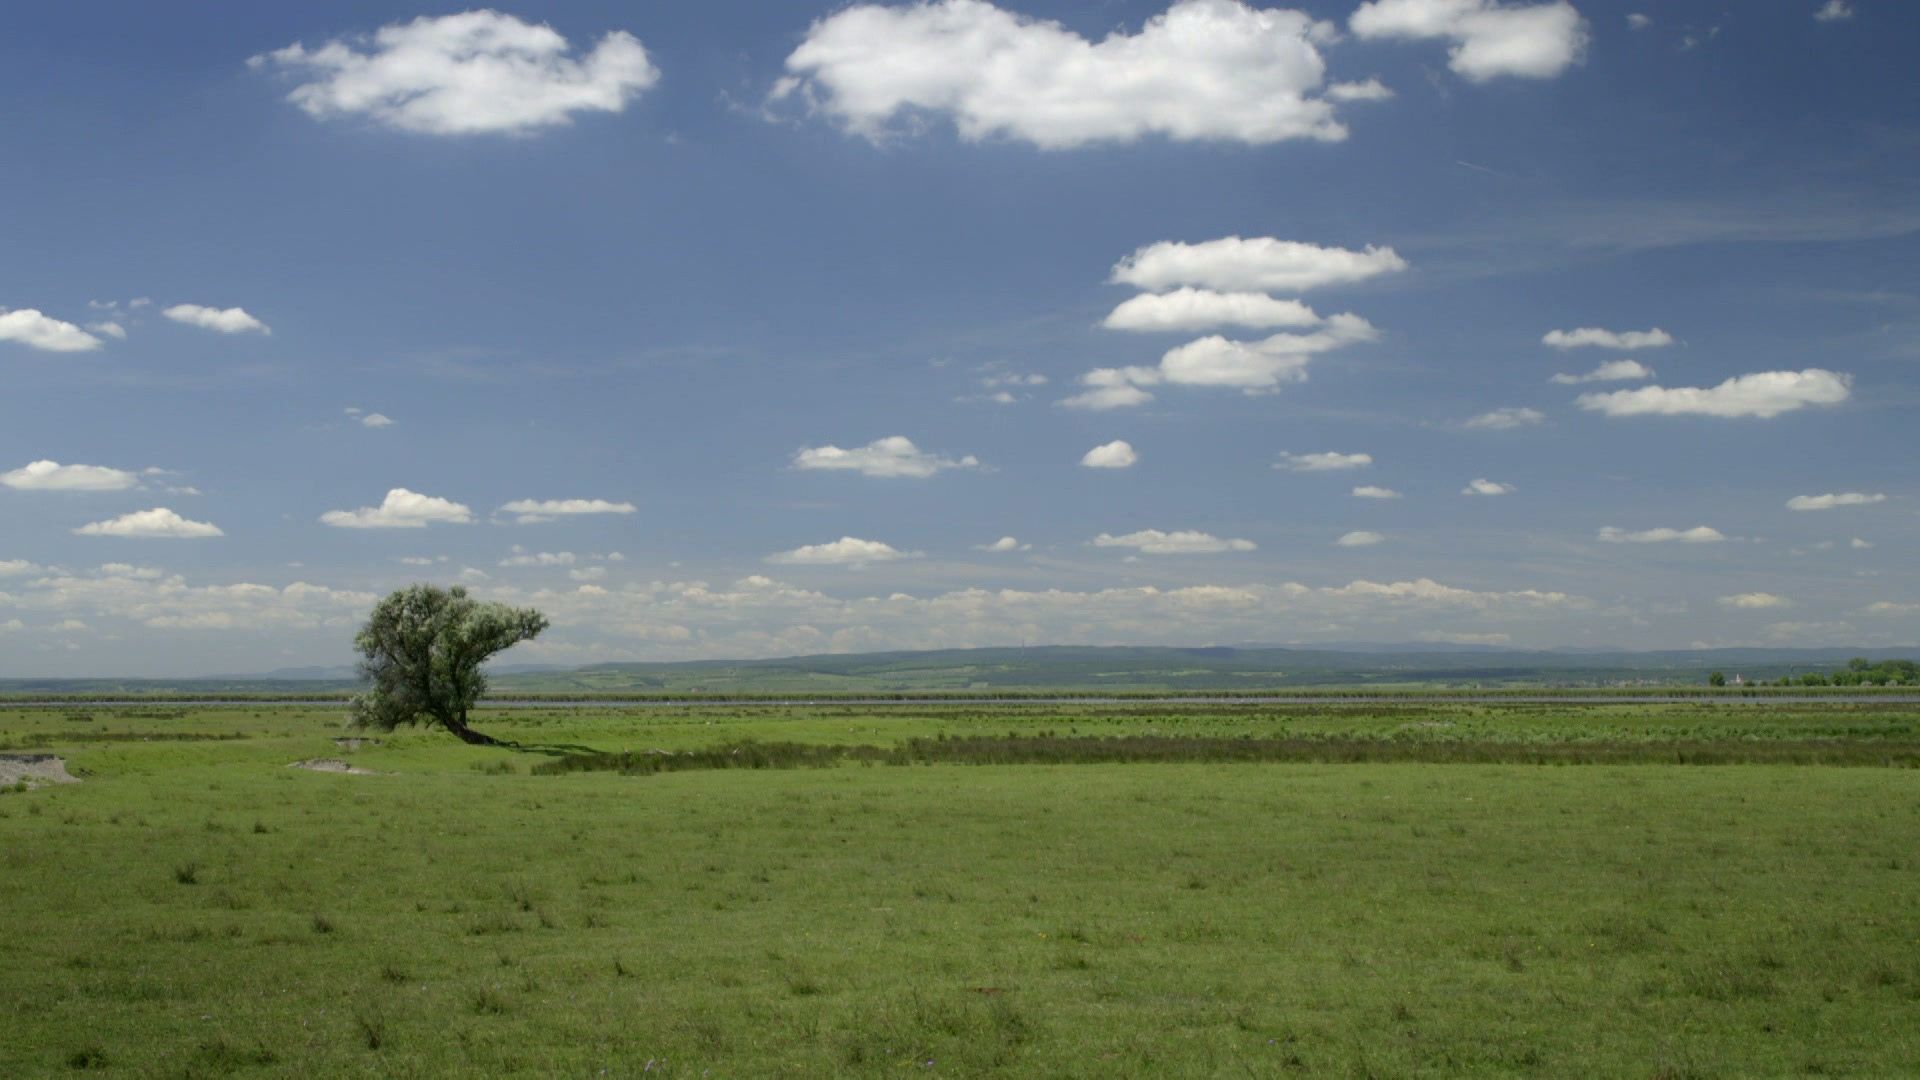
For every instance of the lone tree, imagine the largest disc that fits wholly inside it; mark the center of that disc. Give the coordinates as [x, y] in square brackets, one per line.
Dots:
[423, 647]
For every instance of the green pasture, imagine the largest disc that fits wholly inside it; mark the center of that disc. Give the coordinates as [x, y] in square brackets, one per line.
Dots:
[195, 907]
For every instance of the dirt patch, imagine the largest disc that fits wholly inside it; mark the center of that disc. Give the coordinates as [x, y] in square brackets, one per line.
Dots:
[34, 770]
[333, 765]
[350, 743]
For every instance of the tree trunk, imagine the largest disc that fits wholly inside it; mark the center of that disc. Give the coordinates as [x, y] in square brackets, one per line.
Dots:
[458, 725]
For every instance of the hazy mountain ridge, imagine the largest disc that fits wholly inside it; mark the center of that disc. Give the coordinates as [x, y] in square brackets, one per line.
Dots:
[1065, 667]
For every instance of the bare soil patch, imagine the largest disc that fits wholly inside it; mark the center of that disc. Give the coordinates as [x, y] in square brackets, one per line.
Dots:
[332, 765]
[34, 770]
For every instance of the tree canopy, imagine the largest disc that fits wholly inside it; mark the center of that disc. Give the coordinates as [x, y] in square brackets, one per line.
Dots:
[422, 649]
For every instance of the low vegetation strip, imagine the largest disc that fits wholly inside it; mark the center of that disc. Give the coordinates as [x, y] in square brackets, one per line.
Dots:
[1049, 749]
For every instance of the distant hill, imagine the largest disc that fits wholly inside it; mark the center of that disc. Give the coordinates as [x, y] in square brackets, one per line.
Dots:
[1066, 668]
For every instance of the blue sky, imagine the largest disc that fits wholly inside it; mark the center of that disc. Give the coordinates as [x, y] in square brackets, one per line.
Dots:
[776, 318]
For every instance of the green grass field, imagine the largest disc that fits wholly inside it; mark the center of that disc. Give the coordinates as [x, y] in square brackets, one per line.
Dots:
[195, 907]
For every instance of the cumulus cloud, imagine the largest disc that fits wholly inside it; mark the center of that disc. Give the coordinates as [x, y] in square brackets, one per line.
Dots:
[1201, 70]
[540, 558]
[1117, 454]
[1183, 542]
[1858, 544]
[1890, 609]
[1370, 90]
[29, 327]
[1360, 538]
[1252, 264]
[1637, 21]
[1113, 388]
[1699, 534]
[53, 476]
[231, 320]
[376, 420]
[170, 602]
[478, 72]
[1505, 419]
[1483, 486]
[1370, 491]
[846, 551]
[110, 329]
[1252, 367]
[158, 522]
[1830, 501]
[17, 568]
[1490, 38]
[1755, 601]
[1611, 371]
[1594, 337]
[401, 509]
[891, 457]
[1764, 394]
[1323, 461]
[1834, 11]
[535, 511]
[1003, 545]
[1188, 308]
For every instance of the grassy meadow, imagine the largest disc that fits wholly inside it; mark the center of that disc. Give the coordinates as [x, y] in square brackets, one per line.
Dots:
[1443, 889]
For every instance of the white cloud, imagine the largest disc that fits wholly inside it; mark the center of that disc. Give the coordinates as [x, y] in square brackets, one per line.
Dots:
[1113, 388]
[420, 560]
[18, 568]
[1594, 337]
[1203, 69]
[109, 328]
[1858, 544]
[1489, 38]
[893, 456]
[231, 320]
[536, 511]
[1611, 371]
[1834, 11]
[1003, 545]
[1828, 502]
[1360, 538]
[1764, 394]
[1324, 461]
[1183, 542]
[128, 570]
[1370, 491]
[171, 603]
[1013, 378]
[1370, 90]
[53, 476]
[1252, 264]
[1699, 534]
[478, 72]
[846, 551]
[1505, 419]
[401, 509]
[376, 420]
[1483, 486]
[44, 332]
[540, 558]
[158, 522]
[587, 573]
[1252, 367]
[1755, 601]
[1637, 21]
[1117, 454]
[1188, 308]
[1890, 609]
